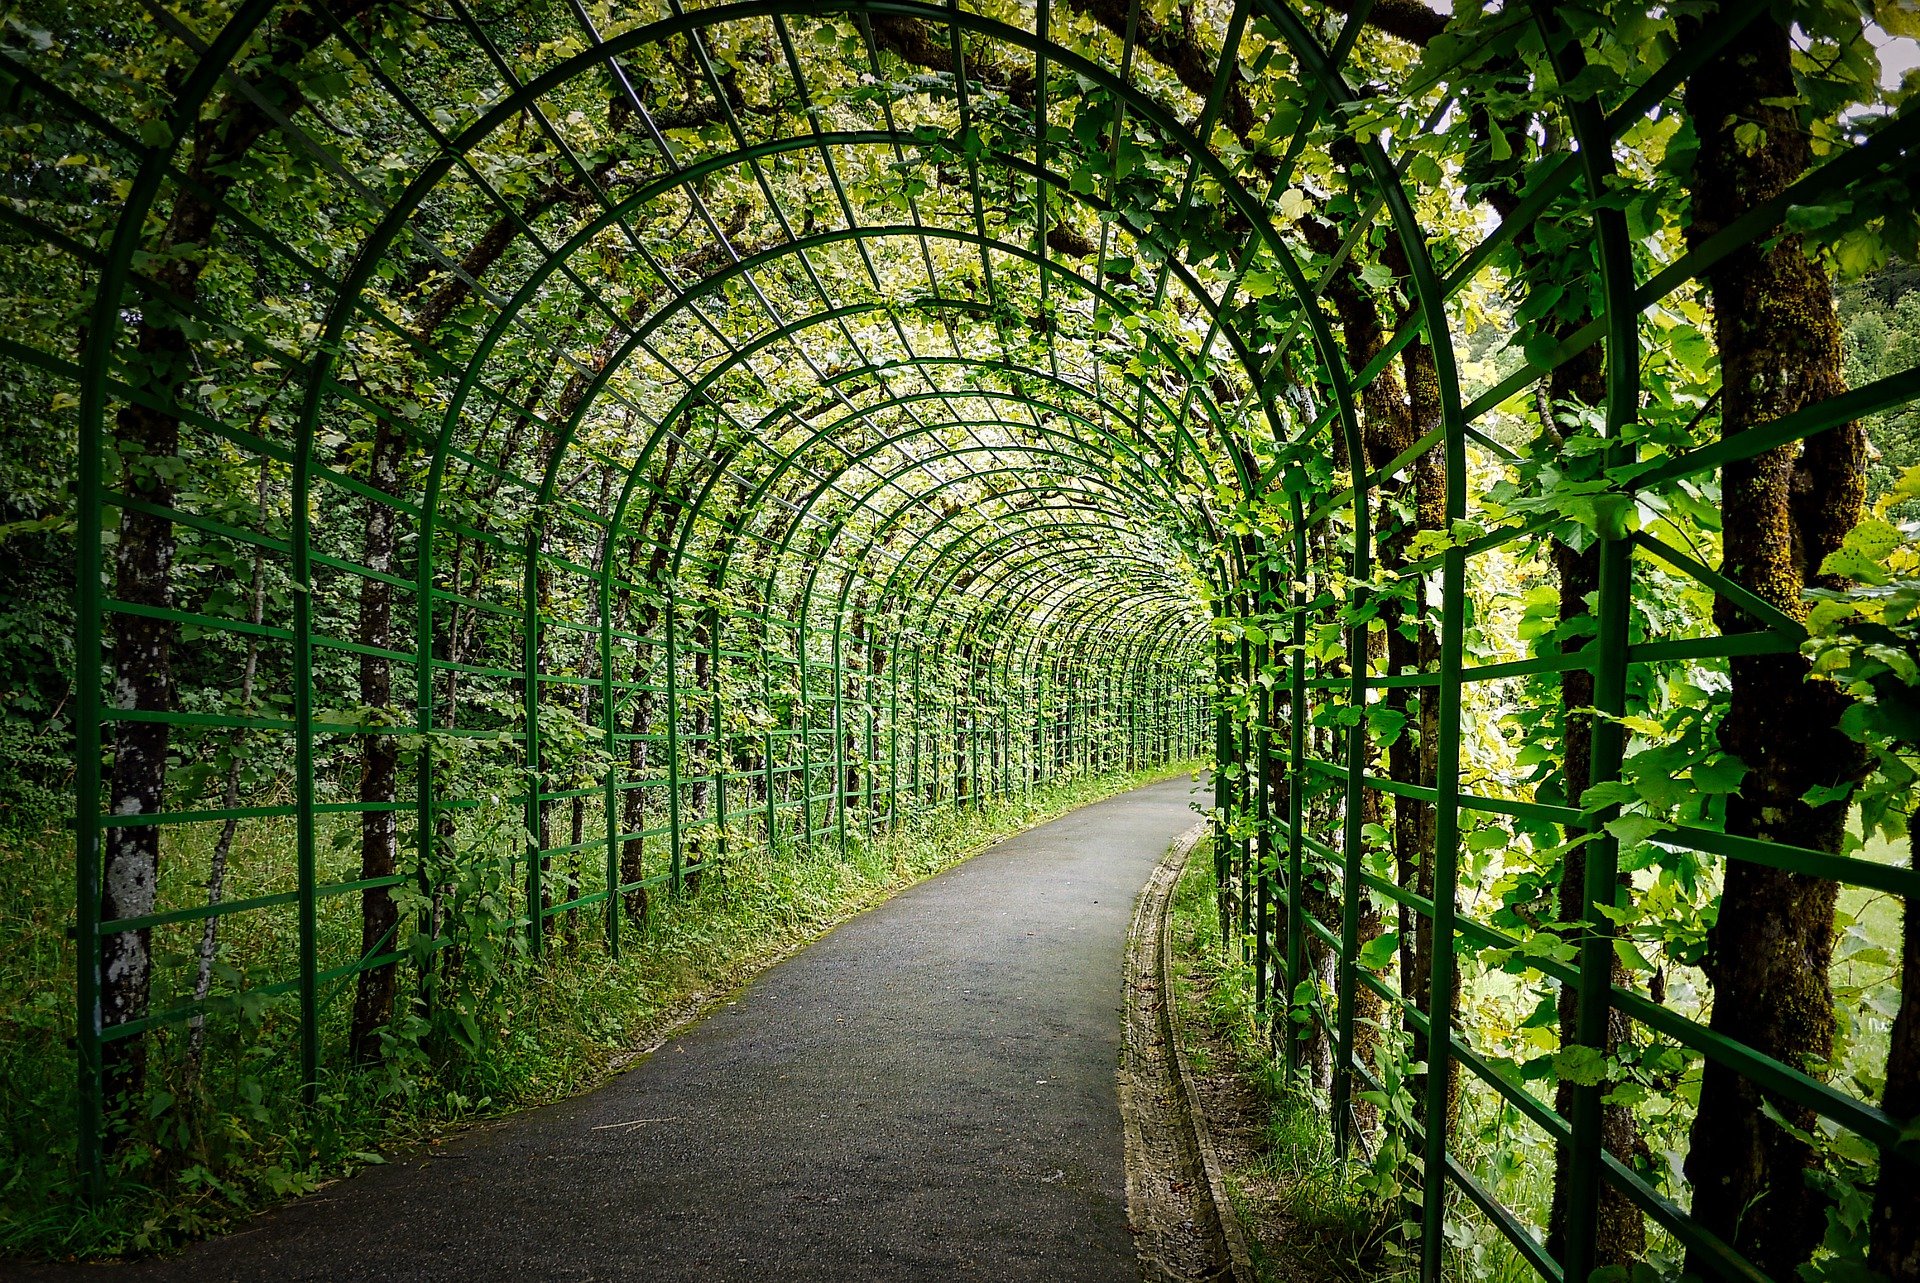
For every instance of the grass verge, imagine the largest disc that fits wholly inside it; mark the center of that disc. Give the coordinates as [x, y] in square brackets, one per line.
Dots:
[1309, 1213]
[228, 1146]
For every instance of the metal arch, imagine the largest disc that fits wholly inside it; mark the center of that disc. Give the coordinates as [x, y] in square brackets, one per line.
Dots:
[887, 589]
[1088, 530]
[615, 524]
[708, 284]
[1016, 586]
[1041, 623]
[917, 499]
[981, 618]
[958, 543]
[1016, 582]
[1116, 599]
[1087, 632]
[555, 76]
[905, 557]
[1052, 604]
[804, 509]
[1060, 530]
[781, 549]
[1095, 485]
[995, 607]
[887, 443]
[589, 61]
[1077, 612]
[1020, 580]
[556, 262]
[1176, 420]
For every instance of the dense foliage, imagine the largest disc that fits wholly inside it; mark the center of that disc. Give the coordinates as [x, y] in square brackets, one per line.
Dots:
[476, 471]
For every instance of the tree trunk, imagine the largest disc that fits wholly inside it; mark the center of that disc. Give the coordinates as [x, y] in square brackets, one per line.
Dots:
[148, 440]
[1620, 1236]
[380, 761]
[1771, 948]
[142, 680]
[633, 817]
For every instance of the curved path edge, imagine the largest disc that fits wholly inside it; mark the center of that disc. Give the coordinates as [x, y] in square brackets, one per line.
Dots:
[925, 1092]
[1184, 1221]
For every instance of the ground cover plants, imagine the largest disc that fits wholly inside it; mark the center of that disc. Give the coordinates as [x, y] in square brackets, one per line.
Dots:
[215, 1144]
[475, 474]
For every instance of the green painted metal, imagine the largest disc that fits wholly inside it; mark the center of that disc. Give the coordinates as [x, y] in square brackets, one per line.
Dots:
[1014, 535]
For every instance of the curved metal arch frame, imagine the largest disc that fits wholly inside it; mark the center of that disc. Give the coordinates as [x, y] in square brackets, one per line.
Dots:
[1088, 623]
[235, 33]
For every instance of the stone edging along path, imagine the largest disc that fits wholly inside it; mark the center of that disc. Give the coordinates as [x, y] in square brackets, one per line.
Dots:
[1184, 1224]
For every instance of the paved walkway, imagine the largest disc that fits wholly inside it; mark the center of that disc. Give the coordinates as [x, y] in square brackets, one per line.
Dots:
[926, 1093]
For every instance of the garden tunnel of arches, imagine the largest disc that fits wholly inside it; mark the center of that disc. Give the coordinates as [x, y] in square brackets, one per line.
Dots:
[543, 451]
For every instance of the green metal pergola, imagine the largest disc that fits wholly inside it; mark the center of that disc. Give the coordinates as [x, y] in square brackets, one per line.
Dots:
[798, 429]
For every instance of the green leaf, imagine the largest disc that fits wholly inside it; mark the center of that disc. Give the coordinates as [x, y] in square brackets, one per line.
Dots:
[1378, 275]
[1379, 951]
[1582, 1066]
[1875, 538]
[1898, 17]
[1629, 954]
[1631, 830]
[1721, 775]
[1851, 563]
[1824, 795]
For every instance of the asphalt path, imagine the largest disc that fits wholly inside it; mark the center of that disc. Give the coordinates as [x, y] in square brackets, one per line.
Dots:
[927, 1092]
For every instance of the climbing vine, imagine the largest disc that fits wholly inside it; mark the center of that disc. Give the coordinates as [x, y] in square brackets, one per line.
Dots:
[481, 479]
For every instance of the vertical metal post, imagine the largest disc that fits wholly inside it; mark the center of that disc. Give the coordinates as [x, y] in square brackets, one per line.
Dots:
[1353, 840]
[677, 866]
[1297, 718]
[1037, 768]
[1445, 889]
[1260, 892]
[766, 736]
[806, 738]
[1600, 881]
[893, 737]
[531, 747]
[839, 760]
[609, 723]
[717, 744]
[1243, 839]
[301, 570]
[1006, 743]
[1223, 775]
[980, 781]
[1125, 681]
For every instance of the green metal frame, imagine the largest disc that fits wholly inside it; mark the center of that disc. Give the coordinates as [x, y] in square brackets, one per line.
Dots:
[1024, 549]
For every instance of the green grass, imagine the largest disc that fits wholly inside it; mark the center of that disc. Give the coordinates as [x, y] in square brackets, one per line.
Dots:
[217, 1149]
[1330, 1196]
[1333, 1224]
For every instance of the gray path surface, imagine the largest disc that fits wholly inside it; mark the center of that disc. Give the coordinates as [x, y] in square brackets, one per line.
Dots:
[926, 1093]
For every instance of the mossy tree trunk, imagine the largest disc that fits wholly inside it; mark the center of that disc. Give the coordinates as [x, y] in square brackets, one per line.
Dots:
[380, 753]
[147, 440]
[1772, 945]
